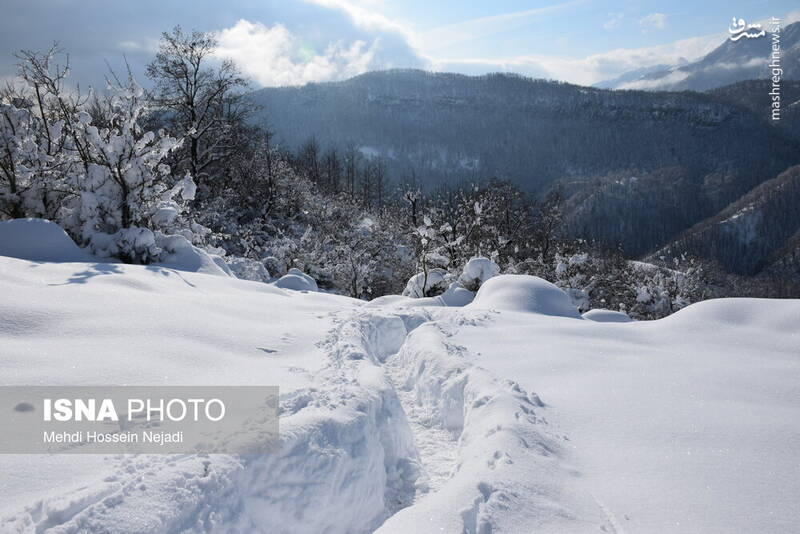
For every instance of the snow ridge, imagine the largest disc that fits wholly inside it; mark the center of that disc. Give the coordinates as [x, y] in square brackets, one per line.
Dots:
[509, 470]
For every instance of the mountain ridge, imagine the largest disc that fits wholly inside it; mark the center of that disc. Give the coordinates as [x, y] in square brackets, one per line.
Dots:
[730, 62]
[687, 149]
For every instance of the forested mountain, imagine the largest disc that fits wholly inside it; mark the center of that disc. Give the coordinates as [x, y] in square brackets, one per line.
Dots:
[754, 95]
[730, 62]
[752, 233]
[644, 165]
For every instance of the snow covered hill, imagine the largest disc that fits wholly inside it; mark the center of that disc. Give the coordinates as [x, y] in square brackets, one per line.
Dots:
[511, 414]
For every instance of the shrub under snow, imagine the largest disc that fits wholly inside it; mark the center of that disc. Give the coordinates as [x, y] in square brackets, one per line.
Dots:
[42, 240]
[523, 293]
[476, 272]
[456, 295]
[297, 280]
[427, 285]
[248, 269]
[178, 253]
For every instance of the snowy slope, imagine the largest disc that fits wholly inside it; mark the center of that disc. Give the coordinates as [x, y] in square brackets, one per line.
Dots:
[686, 424]
[102, 324]
[402, 418]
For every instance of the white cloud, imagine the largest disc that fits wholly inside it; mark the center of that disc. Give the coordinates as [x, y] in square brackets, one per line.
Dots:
[614, 21]
[793, 16]
[452, 34]
[668, 82]
[364, 16]
[663, 82]
[653, 21]
[593, 68]
[273, 56]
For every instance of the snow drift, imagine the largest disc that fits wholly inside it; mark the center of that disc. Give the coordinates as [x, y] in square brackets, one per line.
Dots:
[607, 316]
[38, 240]
[42, 240]
[671, 423]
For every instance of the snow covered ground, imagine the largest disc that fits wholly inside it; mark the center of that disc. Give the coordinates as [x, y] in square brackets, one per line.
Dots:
[686, 424]
[511, 414]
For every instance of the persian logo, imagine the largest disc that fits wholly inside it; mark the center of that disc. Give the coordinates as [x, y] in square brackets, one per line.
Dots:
[739, 28]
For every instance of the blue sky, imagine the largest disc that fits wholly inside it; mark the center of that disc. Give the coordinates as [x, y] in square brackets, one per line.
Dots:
[280, 42]
[584, 27]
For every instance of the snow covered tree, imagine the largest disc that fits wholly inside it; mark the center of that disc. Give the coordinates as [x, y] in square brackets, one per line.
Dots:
[127, 194]
[27, 168]
[100, 175]
[38, 154]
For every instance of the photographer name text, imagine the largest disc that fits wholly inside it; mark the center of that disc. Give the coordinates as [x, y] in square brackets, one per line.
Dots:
[90, 436]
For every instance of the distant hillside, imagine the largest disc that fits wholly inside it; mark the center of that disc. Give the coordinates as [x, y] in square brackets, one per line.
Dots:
[785, 262]
[754, 95]
[692, 153]
[756, 231]
[731, 62]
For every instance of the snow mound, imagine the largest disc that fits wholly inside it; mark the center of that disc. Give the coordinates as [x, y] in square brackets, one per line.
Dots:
[607, 316]
[181, 255]
[418, 285]
[388, 300]
[779, 314]
[477, 271]
[42, 240]
[456, 295]
[39, 240]
[523, 293]
[297, 280]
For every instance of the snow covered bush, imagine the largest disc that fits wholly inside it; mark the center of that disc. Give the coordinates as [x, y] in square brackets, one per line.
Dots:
[178, 253]
[127, 200]
[427, 284]
[476, 272]
[37, 151]
[248, 269]
[89, 165]
[26, 165]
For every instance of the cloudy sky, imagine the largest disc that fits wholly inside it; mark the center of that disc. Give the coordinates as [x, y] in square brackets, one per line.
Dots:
[288, 42]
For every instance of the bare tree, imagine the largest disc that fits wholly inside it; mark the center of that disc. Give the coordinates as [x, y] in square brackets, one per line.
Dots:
[202, 98]
[308, 158]
[351, 161]
[333, 170]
